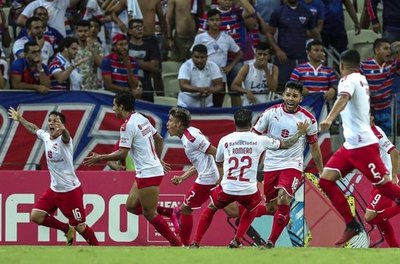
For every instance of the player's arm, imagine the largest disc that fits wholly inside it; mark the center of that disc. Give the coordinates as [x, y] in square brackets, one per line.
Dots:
[317, 156]
[301, 130]
[220, 166]
[94, 158]
[65, 136]
[187, 174]
[338, 107]
[212, 151]
[15, 115]
[394, 158]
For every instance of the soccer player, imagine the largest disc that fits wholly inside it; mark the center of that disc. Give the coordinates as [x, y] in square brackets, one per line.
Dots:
[65, 192]
[353, 97]
[141, 140]
[283, 169]
[238, 156]
[380, 208]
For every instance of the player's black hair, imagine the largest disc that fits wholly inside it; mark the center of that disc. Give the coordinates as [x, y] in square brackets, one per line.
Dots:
[126, 100]
[243, 118]
[59, 114]
[294, 85]
[350, 58]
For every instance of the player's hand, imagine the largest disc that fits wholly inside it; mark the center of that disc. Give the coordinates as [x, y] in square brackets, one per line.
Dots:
[166, 166]
[324, 125]
[177, 180]
[92, 159]
[59, 126]
[302, 127]
[14, 114]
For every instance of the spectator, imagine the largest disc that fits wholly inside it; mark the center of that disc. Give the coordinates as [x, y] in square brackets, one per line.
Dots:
[50, 34]
[4, 66]
[314, 75]
[4, 33]
[316, 8]
[266, 7]
[119, 70]
[29, 73]
[259, 76]
[63, 68]
[199, 78]
[34, 27]
[91, 50]
[146, 55]
[292, 20]
[390, 27]
[379, 71]
[218, 45]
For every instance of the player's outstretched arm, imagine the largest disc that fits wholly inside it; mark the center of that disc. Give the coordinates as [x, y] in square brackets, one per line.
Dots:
[338, 107]
[94, 158]
[301, 130]
[179, 179]
[15, 115]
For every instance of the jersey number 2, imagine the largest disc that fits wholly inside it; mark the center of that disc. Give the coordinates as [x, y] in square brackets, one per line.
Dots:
[244, 163]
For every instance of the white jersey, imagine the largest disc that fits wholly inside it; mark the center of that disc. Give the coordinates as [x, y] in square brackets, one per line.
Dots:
[385, 146]
[59, 157]
[241, 153]
[275, 122]
[256, 81]
[137, 135]
[355, 116]
[196, 146]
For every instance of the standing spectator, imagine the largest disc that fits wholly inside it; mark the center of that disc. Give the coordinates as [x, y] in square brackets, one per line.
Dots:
[4, 66]
[56, 9]
[380, 71]
[182, 29]
[92, 51]
[63, 68]
[380, 208]
[292, 20]
[334, 32]
[4, 33]
[314, 75]
[34, 27]
[199, 78]
[16, 8]
[29, 73]
[146, 55]
[238, 156]
[359, 141]
[390, 24]
[65, 192]
[283, 169]
[50, 34]
[119, 70]
[266, 7]
[218, 45]
[141, 140]
[317, 9]
[259, 76]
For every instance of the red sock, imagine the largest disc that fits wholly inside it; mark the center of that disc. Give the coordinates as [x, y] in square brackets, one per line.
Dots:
[385, 215]
[241, 209]
[186, 228]
[162, 227]
[138, 210]
[388, 233]
[281, 219]
[165, 211]
[89, 236]
[52, 222]
[337, 198]
[245, 221]
[390, 190]
[204, 223]
[262, 210]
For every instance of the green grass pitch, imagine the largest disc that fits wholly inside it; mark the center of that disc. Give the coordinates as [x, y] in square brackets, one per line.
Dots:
[208, 255]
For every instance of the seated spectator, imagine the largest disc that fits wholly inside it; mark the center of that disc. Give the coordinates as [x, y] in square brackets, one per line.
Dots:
[119, 70]
[4, 66]
[50, 34]
[29, 73]
[63, 68]
[199, 78]
[4, 33]
[34, 27]
[259, 76]
[390, 27]
[314, 75]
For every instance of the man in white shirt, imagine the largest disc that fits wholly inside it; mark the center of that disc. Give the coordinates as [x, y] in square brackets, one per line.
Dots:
[353, 106]
[143, 143]
[199, 78]
[283, 169]
[238, 156]
[65, 192]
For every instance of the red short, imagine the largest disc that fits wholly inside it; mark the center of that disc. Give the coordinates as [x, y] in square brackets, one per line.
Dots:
[70, 204]
[288, 180]
[378, 203]
[366, 159]
[197, 195]
[221, 199]
[147, 182]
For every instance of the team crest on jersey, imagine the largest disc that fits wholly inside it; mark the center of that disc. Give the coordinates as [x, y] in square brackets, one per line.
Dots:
[139, 126]
[226, 145]
[302, 19]
[285, 133]
[49, 154]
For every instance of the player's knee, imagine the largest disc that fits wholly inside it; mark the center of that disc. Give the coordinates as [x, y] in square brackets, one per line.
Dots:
[186, 210]
[368, 217]
[149, 214]
[37, 217]
[271, 206]
[133, 209]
